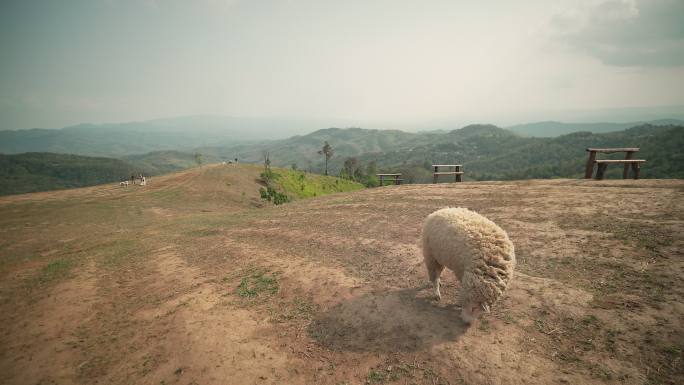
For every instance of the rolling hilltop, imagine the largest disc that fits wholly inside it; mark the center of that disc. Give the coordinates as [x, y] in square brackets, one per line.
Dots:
[36, 171]
[486, 151]
[193, 280]
[121, 139]
[552, 129]
[33, 172]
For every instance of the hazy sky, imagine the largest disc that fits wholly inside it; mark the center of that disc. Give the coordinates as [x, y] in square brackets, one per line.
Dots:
[66, 62]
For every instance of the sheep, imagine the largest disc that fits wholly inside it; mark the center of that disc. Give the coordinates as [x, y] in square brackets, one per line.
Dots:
[478, 252]
[124, 183]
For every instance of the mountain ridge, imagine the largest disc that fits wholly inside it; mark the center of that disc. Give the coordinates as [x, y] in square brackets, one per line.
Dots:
[553, 128]
[191, 132]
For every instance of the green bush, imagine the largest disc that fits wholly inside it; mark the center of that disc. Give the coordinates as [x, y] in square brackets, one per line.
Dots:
[272, 195]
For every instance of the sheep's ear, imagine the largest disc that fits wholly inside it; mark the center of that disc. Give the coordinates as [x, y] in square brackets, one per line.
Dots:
[485, 307]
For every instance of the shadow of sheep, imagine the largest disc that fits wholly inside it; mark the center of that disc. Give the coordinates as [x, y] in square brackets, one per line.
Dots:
[387, 322]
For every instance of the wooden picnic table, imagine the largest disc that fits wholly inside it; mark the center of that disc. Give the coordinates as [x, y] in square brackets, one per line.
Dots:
[602, 164]
[396, 178]
[457, 172]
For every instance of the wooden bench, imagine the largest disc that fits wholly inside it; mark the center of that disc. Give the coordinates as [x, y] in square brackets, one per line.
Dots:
[602, 164]
[396, 178]
[457, 172]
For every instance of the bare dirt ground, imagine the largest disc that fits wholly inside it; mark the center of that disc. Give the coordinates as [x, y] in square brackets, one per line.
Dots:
[190, 281]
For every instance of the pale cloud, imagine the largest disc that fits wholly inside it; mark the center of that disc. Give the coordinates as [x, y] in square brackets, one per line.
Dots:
[393, 61]
[624, 32]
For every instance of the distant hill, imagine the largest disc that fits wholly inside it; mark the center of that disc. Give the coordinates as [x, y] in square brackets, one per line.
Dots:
[302, 150]
[553, 129]
[387, 147]
[163, 162]
[31, 172]
[486, 151]
[565, 156]
[121, 139]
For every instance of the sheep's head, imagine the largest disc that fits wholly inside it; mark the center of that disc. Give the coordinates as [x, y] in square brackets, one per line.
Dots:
[472, 310]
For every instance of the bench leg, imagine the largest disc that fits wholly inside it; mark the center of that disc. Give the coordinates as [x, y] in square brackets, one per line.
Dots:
[635, 170]
[600, 170]
[625, 170]
[590, 165]
[434, 176]
[458, 176]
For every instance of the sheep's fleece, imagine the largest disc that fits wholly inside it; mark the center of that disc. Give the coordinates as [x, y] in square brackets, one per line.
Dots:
[477, 250]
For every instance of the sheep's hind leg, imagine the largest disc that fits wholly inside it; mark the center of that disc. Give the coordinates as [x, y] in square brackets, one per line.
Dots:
[434, 271]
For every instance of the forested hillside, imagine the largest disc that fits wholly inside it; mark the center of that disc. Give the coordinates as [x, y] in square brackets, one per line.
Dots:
[32, 172]
[41, 171]
[551, 129]
[486, 151]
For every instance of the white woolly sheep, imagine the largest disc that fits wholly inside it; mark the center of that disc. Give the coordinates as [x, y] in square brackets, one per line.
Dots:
[475, 249]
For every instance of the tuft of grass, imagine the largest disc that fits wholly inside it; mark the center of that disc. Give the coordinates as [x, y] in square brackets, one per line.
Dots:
[257, 284]
[202, 233]
[375, 376]
[672, 349]
[299, 308]
[119, 252]
[55, 269]
[393, 371]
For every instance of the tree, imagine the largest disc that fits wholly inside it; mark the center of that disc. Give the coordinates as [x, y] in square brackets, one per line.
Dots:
[371, 170]
[350, 169]
[328, 151]
[198, 159]
[267, 160]
[267, 175]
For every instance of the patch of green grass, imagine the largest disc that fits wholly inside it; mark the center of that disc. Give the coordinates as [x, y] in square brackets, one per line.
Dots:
[672, 349]
[257, 284]
[166, 195]
[119, 252]
[610, 339]
[299, 185]
[199, 233]
[375, 376]
[298, 308]
[55, 269]
[393, 371]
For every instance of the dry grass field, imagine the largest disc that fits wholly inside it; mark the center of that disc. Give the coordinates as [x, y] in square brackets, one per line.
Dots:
[189, 280]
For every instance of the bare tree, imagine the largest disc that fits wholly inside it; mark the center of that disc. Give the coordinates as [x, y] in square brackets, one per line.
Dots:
[328, 151]
[351, 168]
[267, 159]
